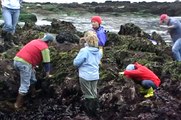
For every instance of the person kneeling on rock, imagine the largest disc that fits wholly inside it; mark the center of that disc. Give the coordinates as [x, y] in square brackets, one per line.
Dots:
[32, 54]
[143, 76]
[87, 61]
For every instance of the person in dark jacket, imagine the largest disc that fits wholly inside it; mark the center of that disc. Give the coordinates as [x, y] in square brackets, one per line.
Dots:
[32, 54]
[144, 76]
[87, 61]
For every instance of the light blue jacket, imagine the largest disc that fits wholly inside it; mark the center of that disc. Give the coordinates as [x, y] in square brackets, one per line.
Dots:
[12, 4]
[87, 61]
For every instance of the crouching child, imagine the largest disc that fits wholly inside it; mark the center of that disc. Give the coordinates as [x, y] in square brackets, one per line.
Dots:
[143, 76]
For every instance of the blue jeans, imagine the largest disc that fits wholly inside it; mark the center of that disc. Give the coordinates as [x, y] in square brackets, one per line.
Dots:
[176, 50]
[148, 83]
[27, 76]
[11, 17]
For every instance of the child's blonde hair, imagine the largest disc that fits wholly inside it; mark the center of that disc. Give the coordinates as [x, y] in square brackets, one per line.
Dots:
[91, 38]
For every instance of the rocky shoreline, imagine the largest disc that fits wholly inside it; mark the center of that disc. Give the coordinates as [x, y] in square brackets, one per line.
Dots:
[109, 7]
[60, 97]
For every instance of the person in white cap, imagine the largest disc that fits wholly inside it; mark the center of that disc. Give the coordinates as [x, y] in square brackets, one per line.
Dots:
[32, 54]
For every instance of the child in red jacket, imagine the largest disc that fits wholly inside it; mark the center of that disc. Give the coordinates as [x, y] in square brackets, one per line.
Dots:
[143, 76]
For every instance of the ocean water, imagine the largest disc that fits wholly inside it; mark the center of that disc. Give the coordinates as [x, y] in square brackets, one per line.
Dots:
[111, 23]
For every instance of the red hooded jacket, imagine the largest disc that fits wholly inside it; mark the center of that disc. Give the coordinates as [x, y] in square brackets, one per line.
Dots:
[142, 73]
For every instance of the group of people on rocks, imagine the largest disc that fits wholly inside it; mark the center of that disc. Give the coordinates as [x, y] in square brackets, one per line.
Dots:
[87, 60]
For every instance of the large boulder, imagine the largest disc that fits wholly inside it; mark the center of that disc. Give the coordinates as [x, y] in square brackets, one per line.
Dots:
[67, 36]
[28, 17]
[133, 30]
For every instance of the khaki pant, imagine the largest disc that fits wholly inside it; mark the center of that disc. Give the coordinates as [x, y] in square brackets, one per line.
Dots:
[89, 88]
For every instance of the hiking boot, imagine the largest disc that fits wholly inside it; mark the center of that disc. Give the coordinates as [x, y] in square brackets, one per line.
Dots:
[19, 101]
[150, 93]
[91, 106]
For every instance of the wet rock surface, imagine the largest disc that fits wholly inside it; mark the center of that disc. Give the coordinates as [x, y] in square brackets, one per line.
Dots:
[60, 97]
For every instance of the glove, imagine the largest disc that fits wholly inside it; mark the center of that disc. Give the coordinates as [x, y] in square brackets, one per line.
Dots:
[50, 76]
[121, 73]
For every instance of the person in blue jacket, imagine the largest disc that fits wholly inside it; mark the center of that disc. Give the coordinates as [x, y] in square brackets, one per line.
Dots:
[174, 29]
[101, 33]
[87, 61]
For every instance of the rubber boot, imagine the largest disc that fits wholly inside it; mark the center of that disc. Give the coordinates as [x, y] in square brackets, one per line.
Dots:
[3, 34]
[91, 106]
[86, 106]
[19, 101]
[150, 93]
[143, 90]
[95, 108]
[8, 40]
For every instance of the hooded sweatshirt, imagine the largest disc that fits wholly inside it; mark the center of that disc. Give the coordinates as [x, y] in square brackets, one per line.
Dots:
[87, 61]
[101, 34]
[12, 4]
[142, 73]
